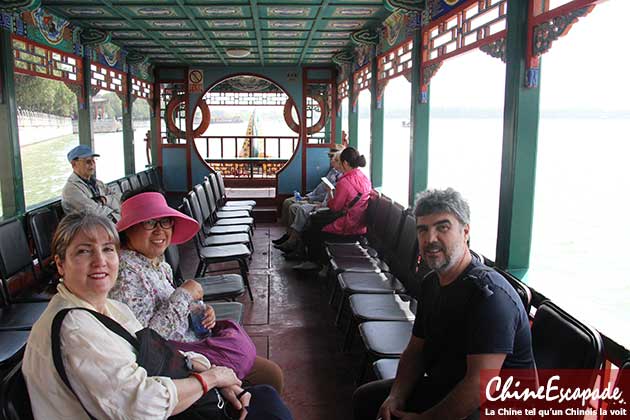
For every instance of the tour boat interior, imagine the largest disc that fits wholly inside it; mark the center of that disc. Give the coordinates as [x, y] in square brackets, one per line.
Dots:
[159, 89]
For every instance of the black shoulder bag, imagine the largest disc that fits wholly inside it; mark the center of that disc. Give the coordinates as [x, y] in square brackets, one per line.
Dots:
[155, 355]
[319, 219]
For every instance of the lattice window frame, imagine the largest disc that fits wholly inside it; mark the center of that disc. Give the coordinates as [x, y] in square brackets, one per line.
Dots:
[53, 64]
[474, 24]
[545, 26]
[243, 98]
[395, 62]
[141, 89]
[362, 79]
[108, 79]
[343, 89]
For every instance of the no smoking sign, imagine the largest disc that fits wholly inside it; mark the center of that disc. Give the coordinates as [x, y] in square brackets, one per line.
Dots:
[195, 81]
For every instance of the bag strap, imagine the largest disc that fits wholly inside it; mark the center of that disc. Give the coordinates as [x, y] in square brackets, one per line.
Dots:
[354, 201]
[350, 204]
[55, 342]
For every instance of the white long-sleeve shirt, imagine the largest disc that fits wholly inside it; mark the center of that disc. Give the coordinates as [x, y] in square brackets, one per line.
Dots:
[100, 365]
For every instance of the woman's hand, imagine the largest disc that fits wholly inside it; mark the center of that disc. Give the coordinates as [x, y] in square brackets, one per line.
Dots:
[210, 319]
[193, 288]
[221, 377]
[231, 395]
[390, 407]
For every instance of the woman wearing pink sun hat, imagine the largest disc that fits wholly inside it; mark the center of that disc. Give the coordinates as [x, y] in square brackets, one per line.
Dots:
[145, 281]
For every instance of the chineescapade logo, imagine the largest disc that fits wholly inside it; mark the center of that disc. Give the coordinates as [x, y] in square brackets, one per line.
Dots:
[556, 394]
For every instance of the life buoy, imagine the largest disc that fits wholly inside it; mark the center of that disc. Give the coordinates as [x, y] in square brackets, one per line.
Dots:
[315, 128]
[170, 118]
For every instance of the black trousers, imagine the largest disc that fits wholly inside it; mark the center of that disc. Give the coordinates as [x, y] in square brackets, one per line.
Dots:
[314, 240]
[266, 404]
[368, 398]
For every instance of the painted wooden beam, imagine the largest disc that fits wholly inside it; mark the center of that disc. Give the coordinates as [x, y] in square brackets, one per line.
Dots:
[520, 141]
[127, 126]
[377, 119]
[11, 178]
[419, 156]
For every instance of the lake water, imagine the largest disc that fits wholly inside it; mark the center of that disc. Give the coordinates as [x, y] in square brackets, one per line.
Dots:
[46, 168]
[581, 201]
[578, 244]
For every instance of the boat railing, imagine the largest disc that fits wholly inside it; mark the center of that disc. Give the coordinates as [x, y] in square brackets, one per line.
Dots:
[247, 156]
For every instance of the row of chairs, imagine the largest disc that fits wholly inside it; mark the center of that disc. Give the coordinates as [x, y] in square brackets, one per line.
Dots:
[26, 264]
[376, 282]
[227, 228]
[134, 182]
[17, 317]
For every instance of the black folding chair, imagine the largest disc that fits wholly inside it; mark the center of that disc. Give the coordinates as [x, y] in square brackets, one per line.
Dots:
[42, 224]
[560, 341]
[15, 402]
[223, 286]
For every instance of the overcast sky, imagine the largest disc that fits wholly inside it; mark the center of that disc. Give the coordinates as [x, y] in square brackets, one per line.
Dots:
[586, 69]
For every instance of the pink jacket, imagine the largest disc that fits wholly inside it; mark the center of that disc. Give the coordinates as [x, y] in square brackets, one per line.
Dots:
[353, 223]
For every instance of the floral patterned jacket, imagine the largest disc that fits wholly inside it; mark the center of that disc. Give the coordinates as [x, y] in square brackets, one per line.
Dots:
[147, 288]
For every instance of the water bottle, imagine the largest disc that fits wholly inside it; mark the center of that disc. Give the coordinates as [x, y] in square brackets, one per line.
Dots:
[297, 196]
[197, 314]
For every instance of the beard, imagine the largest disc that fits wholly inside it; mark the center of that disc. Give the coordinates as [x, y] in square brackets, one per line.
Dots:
[445, 260]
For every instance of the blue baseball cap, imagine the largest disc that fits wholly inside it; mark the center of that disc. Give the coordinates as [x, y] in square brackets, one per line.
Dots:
[81, 151]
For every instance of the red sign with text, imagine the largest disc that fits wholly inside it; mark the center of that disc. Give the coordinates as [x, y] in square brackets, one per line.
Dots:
[557, 394]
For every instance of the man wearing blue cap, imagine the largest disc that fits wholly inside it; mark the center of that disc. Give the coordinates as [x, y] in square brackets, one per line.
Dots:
[83, 191]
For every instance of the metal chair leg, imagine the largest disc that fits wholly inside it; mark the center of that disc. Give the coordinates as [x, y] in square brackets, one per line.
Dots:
[333, 294]
[201, 268]
[363, 368]
[349, 338]
[243, 267]
[340, 310]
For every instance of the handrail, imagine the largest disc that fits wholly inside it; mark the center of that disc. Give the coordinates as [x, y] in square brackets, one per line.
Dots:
[248, 167]
[264, 152]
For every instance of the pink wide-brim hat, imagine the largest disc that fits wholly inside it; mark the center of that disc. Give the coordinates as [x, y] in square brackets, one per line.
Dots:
[152, 205]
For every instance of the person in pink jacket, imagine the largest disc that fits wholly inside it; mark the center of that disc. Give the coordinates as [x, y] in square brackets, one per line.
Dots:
[351, 193]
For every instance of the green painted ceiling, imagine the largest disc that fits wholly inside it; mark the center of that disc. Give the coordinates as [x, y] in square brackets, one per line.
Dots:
[196, 32]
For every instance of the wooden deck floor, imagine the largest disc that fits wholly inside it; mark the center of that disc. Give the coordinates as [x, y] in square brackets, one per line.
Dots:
[291, 323]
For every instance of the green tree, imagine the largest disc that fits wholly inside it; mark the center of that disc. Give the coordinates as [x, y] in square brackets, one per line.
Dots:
[44, 95]
[114, 105]
[140, 110]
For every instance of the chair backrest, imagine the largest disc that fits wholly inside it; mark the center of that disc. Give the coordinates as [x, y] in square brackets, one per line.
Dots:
[15, 255]
[387, 243]
[135, 182]
[125, 185]
[204, 205]
[114, 186]
[404, 258]
[380, 219]
[370, 213]
[187, 208]
[562, 342]
[171, 256]
[16, 404]
[43, 223]
[215, 188]
[143, 177]
[222, 194]
[521, 288]
[154, 178]
[212, 197]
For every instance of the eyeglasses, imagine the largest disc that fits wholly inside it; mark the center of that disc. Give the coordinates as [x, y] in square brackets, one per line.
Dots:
[165, 223]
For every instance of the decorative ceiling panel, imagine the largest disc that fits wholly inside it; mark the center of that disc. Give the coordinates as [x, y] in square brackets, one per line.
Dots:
[222, 12]
[190, 31]
[228, 24]
[293, 12]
